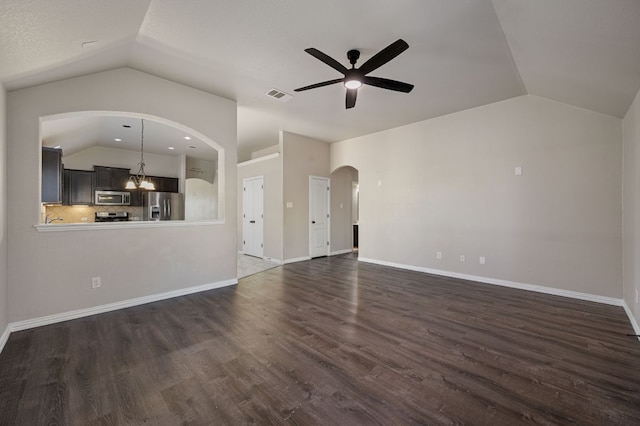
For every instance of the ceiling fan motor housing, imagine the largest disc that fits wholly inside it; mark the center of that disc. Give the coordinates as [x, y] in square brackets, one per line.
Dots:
[353, 56]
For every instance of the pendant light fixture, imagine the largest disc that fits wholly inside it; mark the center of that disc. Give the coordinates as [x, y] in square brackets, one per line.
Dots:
[139, 180]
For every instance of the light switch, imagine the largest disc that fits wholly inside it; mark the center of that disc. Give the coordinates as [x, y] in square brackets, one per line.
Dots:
[289, 204]
[518, 170]
[380, 182]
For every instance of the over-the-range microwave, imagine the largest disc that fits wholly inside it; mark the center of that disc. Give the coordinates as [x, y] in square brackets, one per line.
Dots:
[112, 198]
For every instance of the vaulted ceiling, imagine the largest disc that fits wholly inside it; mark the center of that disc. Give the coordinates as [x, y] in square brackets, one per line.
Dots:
[463, 54]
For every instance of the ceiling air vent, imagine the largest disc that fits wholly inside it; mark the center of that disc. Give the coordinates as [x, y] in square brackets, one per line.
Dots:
[279, 95]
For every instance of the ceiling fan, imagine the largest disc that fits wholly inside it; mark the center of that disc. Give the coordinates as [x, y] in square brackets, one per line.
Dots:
[356, 77]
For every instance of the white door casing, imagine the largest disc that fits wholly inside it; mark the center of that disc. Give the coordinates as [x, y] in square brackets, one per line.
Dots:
[253, 216]
[318, 216]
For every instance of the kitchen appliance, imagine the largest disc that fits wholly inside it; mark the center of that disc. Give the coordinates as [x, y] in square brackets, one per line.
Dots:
[112, 198]
[162, 206]
[112, 216]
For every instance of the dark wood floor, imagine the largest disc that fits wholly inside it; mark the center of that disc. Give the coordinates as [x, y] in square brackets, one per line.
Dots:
[331, 342]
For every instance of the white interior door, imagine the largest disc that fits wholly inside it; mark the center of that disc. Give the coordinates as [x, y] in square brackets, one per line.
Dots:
[253, 216]
[318, 216]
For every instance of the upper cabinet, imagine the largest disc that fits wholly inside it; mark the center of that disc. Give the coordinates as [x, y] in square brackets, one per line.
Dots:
[164, 184]
[78, 187]
[51, 175]
[111, 178]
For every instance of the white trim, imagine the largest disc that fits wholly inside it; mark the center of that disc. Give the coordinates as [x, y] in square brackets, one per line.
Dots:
[260, 159]
[56, 227]
[65, 316]
[328, 195]
[504, 283]
[258, 220]
[4, 337]
[265, 258]
[296, 259]
[632, 319]
[334, 253]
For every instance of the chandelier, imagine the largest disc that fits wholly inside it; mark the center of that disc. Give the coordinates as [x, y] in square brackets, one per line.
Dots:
[139, 180]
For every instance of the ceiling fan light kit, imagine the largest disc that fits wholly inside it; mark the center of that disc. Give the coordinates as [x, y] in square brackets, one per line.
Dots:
[354, 78]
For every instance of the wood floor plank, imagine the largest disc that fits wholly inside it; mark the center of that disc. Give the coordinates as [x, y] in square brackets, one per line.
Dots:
[331, 341]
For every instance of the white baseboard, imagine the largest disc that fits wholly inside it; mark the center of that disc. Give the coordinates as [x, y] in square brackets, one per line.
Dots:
[65, 316]
[4, 337]
[296, 259]
[504, 283]
[268, 259]
[632, 319]
[337, 252]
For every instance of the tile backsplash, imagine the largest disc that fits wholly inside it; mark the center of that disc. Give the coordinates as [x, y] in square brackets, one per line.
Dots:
[85, 214]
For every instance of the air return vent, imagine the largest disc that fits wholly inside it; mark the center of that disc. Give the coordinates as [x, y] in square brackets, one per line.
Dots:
[279, 95]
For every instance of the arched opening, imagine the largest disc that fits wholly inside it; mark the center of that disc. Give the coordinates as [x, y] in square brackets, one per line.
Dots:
[99, 153]
[345, 200]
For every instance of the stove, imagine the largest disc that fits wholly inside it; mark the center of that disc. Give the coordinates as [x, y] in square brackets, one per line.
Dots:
[112, 216]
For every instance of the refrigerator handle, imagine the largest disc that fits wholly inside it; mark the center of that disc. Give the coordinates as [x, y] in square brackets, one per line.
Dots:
[168, 209]
[164, 202]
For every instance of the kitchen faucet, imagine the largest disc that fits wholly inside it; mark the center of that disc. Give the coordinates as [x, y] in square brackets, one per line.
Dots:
[47, 220]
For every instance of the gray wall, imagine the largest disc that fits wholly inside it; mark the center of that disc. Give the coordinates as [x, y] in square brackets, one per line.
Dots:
[631, 203]
[4, 296]
[341, 205]
[50, 272]
[302, 157]
[271, 170]
[448, 185]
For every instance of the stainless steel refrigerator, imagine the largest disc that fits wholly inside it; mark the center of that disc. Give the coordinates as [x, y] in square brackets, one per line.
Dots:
[162, 206]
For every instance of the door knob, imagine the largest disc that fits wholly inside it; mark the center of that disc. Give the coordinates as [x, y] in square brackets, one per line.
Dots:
[252, 221]
[313, 221]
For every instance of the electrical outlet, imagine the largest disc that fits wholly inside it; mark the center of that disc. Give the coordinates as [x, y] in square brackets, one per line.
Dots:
[95, 282]
[482, 260]
[439, 255]
[462, 258]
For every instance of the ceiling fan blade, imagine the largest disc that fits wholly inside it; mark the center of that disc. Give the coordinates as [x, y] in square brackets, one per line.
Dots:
[326, 59]
[350, 101]
[385, 83]
[384, 56]
[324, 83]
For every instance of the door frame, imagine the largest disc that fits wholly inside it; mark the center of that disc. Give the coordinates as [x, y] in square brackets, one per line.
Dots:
[328, 195]
[244, 209]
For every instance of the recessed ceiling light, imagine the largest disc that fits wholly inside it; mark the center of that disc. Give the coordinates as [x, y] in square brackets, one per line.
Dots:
[188, 138]
[118, 140]
[172, 148]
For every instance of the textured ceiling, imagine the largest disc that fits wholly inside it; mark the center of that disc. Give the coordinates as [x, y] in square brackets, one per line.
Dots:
[462, 54]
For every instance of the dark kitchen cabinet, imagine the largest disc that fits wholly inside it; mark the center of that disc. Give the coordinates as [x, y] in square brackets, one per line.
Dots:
[110, 178]
[136, 197]
[167, 184]
[164, 184]
[78, 187]
[51, 175]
